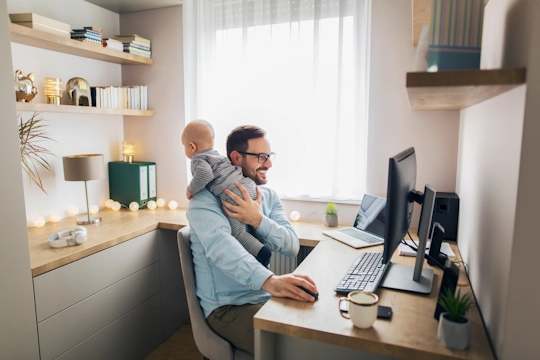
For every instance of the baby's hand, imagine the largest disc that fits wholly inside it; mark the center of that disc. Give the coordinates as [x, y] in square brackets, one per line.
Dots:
[188, 195]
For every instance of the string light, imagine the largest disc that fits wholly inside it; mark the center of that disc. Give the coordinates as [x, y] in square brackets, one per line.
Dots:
[39, 222]
[94, 209]
[72, 210]
[151, 205]
[54, 218]
[108, 203]
[134, 206]
[173, 205]
[116, 206]
[160, 202]
[294, 216]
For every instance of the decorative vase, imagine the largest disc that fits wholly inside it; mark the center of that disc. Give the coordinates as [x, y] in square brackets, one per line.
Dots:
[454, 335]
[330, 220]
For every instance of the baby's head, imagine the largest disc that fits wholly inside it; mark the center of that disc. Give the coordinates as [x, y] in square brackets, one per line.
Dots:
[198, 136]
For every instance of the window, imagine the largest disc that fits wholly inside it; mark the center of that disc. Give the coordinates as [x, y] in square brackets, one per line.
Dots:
[297, 69]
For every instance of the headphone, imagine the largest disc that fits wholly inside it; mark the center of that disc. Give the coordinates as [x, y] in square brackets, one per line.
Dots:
[69, 237]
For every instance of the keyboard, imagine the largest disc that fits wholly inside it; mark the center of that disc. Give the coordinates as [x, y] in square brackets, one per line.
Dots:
[364, 274]
[370, 239]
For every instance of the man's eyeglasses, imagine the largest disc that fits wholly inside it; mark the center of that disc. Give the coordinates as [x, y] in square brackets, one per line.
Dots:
[262, 157]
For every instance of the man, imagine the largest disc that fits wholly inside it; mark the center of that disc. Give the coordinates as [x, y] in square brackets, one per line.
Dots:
[231, 284]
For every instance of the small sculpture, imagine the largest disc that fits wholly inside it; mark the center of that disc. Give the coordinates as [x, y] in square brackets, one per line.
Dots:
[24, 87]
[79, 92]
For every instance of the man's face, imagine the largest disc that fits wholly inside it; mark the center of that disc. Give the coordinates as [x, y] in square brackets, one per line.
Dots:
[250, 164]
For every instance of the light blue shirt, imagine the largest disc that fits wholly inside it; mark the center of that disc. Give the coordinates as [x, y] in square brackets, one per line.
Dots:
[225, 273]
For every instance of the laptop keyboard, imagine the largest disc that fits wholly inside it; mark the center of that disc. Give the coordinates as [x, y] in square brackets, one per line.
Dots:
[364, 274]
[370, 239]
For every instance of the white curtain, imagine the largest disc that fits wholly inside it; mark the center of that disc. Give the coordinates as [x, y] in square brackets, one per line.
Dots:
[299, 69]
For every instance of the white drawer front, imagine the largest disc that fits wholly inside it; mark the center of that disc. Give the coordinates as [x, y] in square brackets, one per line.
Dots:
[58, 289]
[73, 325]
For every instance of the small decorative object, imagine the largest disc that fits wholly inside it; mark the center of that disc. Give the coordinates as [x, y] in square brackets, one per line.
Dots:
[33, 156]
[134, 206]
[455, 35]
[79, 92]
[24, 87]
[84, 167]
[151, 205]
[54, 218]
[454, 326]
[38, 222]
[128, 150]
[160, 202]
[173, 205]
[53, 90]
[295, 216]
[331, 219]
[116, 206]
[72, 210]
[94, 209]
[108, 203]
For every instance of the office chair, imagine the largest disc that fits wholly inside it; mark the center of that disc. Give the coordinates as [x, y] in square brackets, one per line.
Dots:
[210, 344]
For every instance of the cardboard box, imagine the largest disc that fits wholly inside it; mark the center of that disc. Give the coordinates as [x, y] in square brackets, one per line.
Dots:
[42, 23]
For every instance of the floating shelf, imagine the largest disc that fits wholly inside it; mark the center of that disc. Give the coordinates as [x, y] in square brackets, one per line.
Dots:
[27, 36]
[81, 109]
[458, 89]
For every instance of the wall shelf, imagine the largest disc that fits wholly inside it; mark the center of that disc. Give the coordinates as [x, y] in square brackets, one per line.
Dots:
[27, 36]
[81, 109]
[458, 89]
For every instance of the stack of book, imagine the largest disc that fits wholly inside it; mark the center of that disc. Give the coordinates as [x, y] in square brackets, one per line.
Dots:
[88, 34]
[113, 44]
[120, 97]
[135, 44]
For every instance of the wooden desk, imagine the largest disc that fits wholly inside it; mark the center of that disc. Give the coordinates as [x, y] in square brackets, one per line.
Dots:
[290, 329]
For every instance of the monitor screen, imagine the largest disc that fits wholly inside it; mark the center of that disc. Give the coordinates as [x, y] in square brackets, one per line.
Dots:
[399, 208]
[371, 215]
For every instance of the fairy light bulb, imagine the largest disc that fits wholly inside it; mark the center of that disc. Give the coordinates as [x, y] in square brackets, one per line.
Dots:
[151, 205]
[173, 205]
[160, 202]
[294, 216]
[108, 203]
[54, 218]
[39, 222]
[72, 210]
[116, 206]
[94, 209]
[134, 206]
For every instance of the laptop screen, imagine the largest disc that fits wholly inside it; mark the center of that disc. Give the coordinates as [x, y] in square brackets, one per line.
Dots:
[371, 215]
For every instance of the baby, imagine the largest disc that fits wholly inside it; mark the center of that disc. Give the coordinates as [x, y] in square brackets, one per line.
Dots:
[214, 171]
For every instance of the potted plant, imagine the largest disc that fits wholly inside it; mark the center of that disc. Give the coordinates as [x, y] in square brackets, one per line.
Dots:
[331, 218]
[454, 326]
[33, 155]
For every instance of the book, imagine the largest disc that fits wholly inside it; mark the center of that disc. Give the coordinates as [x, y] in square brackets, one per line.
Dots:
[41, 23]
[404, 250]
[94, 28]
[133, 37]
[136, 45]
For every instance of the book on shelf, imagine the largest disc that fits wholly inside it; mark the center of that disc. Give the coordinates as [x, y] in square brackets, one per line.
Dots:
[136, 51]
[133, 38]
[94, 28]
[120, 97]
[41, 23]
[113, 44]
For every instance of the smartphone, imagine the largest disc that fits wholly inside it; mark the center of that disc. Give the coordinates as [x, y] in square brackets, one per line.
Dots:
[384, 312]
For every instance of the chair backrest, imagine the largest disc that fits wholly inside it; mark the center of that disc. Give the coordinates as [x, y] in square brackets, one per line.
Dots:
[210, 344]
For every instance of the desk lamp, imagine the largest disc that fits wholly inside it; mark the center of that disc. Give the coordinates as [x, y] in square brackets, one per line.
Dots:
[84, 168]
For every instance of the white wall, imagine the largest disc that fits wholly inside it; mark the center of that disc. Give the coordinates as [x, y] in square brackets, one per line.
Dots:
[498, 177]
[18, 329]
[73, 134]
[158, 138]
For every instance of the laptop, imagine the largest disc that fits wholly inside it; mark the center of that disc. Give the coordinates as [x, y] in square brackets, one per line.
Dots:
[368, 228]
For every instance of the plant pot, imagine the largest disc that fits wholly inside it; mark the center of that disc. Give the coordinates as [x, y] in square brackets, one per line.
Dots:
[454, 335]
[330, 220]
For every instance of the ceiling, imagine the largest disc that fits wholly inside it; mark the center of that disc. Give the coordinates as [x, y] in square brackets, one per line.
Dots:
[127, 6]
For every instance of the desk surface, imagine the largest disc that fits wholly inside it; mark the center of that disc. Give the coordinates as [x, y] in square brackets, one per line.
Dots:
[119, 226]
[411, 334]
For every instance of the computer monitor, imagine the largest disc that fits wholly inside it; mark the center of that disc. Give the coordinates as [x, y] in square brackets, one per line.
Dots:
[401, 196]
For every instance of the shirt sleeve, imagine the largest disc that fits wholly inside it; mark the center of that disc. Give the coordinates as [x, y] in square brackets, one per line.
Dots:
[207, 220]
[275, 228]
[202, 175]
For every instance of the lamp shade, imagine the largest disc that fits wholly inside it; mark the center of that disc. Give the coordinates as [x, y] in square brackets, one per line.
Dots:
[83, 167]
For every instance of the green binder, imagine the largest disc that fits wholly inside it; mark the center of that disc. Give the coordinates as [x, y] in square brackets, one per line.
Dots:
[135, 181]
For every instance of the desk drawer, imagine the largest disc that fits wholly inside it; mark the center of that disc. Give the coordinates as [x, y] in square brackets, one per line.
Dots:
[73, 325]
[58, 289]
[133, 336]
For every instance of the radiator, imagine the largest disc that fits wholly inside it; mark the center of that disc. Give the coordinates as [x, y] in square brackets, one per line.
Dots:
[281, 264]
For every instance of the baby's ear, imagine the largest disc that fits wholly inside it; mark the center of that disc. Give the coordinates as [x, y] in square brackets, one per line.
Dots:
[193, 147]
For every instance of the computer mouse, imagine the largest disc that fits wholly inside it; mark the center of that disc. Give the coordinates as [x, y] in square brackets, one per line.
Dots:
[316, 296]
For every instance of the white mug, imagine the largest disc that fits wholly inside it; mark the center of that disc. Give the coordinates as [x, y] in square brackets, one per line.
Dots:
[362, 308]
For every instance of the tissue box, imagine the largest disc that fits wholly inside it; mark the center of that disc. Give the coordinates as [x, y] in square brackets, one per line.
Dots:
[41, 23]
[455, 34]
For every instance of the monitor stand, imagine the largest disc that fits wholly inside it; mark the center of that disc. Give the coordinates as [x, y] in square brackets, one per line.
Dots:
[400, 277]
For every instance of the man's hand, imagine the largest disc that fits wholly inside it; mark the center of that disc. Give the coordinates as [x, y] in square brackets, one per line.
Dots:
[188, 195]
[287, 286]
[248, 210]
